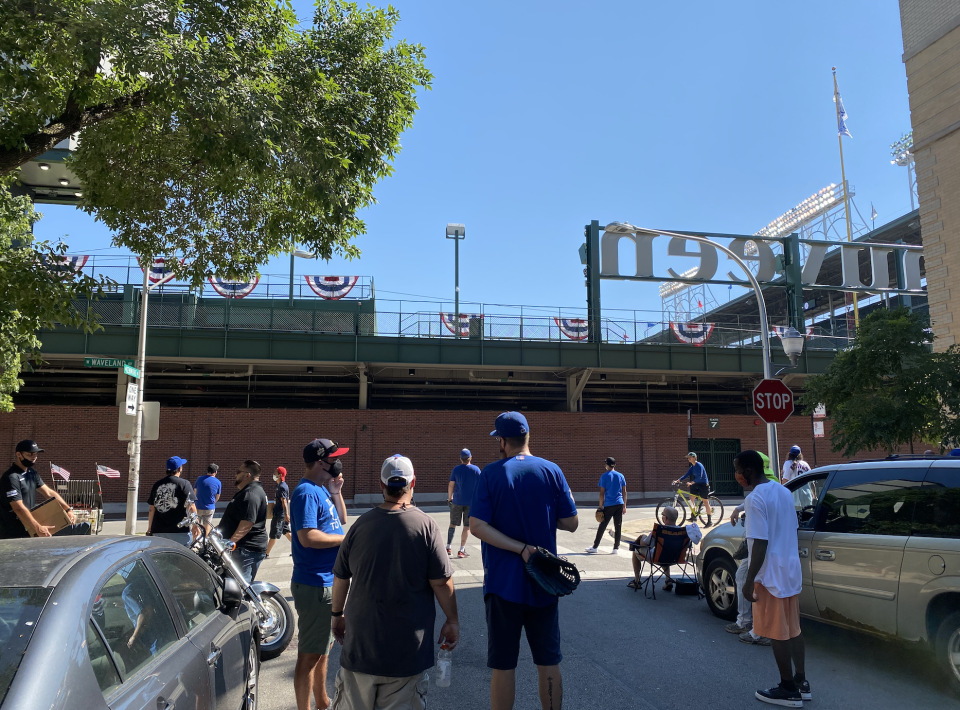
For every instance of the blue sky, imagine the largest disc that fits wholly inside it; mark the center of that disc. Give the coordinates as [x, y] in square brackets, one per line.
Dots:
[698, 115]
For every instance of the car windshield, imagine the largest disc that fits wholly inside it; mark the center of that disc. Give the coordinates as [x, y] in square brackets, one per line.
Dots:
[20, 608]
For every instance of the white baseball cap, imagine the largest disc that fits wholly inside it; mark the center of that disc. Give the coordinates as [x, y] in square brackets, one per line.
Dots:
[395, 467]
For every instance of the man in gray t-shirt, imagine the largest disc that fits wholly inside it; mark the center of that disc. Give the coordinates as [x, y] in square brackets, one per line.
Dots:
[393, 563]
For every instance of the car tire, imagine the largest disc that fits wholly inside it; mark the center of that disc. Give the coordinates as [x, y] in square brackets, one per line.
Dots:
[252, 691]
[947, 647]
[276, 643]
[720, 587]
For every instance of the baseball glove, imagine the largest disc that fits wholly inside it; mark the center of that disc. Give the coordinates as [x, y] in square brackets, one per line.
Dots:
[599, 515]
[555, 575]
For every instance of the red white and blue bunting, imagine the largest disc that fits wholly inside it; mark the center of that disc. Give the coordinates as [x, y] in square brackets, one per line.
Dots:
[449, 320]
[233, 289]
[692, 333]
[65, 263]
[780, 330]
[332, 287]
[573, 328]
[159, 271]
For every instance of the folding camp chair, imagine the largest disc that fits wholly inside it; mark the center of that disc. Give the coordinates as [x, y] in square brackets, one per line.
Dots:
[671, 545]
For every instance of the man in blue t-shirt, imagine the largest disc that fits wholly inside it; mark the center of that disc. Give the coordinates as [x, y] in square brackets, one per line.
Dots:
[463, 483]
[613, 502]
[699, 483]
[207, 491]
[519, 504]
[316, 512]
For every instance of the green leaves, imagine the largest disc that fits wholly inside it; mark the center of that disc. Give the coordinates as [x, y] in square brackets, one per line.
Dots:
[889, 390]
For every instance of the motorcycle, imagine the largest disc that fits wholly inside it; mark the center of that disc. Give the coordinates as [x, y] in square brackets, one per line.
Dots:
[273, 611]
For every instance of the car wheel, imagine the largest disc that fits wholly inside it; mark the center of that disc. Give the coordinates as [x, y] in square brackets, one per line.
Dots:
[720, 584]
[253, 678]
[948, 649]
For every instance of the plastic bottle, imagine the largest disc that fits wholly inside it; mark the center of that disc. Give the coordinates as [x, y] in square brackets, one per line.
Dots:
[444, 666]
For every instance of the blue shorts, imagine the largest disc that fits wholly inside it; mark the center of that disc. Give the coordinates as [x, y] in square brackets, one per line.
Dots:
[505, 621]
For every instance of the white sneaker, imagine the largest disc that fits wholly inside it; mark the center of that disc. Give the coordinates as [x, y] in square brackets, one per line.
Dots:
[591, 550]
[615, 551]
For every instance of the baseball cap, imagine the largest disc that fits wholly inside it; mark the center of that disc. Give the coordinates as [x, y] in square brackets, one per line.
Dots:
[465, 453]
[175, 462]
[767, 471]
[692, 453]
[794, 449]
[28, 446]
[282, 471]
[213, 468]
[610, 461]
[510, 424]
[396, 470]
[322, 449]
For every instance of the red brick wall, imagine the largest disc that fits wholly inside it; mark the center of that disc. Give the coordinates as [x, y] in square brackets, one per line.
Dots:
[649, 448]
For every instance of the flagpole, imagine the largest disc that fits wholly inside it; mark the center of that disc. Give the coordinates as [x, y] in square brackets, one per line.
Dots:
[846, 199]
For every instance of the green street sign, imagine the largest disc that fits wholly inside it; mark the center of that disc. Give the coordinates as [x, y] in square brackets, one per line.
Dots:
[131, 370]
[713, 423]
[106, 362]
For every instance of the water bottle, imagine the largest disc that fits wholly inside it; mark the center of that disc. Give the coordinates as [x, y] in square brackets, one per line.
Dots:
[444, 666]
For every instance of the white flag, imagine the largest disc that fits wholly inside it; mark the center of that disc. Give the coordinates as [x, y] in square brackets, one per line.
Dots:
[873, 212]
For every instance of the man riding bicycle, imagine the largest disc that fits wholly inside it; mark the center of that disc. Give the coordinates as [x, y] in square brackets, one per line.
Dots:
[699, 484]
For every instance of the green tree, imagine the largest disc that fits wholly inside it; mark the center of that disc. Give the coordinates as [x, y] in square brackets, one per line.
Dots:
[889, 389]
[38, 291]
[216, 131]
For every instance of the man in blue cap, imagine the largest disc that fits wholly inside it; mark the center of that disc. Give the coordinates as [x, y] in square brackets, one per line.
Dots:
[463, 483]
[171, 499]
[520, 503]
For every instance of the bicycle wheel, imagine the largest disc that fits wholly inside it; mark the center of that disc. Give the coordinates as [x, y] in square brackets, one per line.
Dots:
[716, 512]
[673, 503]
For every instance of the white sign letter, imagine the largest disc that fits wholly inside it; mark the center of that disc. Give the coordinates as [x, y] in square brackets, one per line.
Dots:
[707, 255]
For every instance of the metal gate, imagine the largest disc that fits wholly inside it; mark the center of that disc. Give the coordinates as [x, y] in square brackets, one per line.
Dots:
[717, 456]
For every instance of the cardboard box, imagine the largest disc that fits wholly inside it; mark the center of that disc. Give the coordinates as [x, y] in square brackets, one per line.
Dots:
[50, 513]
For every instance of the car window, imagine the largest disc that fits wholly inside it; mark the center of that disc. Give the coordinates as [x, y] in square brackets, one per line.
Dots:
[805, 498]
[193, 587]
[107, 677]
[20, 607]
[938, 505]
[871, 501]
[133, 617]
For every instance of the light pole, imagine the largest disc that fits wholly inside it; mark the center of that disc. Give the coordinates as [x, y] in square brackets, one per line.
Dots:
[456, 232]
[303, 255]
[764, 329]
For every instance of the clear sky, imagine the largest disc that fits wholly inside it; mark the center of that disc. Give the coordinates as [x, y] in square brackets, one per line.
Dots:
[698, 115]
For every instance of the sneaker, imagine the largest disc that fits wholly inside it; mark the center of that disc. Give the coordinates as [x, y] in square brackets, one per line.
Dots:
[616, 551]
[462, 553]
[777, 695]
[709, 521]
[591, 550]
[804, 688]
[449, 550]
[735, 628]
[748, 637]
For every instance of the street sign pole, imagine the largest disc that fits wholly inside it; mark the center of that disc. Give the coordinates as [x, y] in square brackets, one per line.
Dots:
[133, 479]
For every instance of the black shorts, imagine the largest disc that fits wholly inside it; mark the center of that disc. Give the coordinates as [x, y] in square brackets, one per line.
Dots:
[700, 489]
[279, 527]
[505, 621]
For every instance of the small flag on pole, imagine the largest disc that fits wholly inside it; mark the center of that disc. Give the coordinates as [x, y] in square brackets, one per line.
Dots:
[841, 118]
[107, 471]
[873, 212]
[62, 472]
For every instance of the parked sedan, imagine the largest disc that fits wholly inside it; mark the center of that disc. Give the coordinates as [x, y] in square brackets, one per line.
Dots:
[879, 547]
[137, 623]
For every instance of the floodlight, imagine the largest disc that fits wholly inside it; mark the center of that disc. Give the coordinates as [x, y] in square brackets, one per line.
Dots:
[792, 344]
[620, 228]
[304, 254]
[456, 230]
[44, 166]
[64, 182]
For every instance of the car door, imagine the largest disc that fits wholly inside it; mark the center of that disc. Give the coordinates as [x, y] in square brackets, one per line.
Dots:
[806, 493]
[863, 524]
[132, 638]
[220, 639]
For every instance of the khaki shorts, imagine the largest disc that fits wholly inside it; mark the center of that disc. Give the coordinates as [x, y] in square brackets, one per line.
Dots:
[206, 516]
[313, 617]
[775, 618]
[359, 691]
[459, 514]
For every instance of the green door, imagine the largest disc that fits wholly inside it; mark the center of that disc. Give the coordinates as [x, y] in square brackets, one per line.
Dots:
[717, 455]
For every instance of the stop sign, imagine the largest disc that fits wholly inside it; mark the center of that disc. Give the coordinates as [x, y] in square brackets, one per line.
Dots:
[773, 401]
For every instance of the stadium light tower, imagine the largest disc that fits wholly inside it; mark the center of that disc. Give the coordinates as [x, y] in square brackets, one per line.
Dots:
[456, 232]
[303, 255]
[902, 154]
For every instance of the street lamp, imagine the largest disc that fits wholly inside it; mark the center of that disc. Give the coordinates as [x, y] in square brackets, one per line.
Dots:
[303, 255]
[792, 344]
[456, 232]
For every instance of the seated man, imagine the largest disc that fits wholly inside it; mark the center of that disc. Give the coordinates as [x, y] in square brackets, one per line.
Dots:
[643, 551]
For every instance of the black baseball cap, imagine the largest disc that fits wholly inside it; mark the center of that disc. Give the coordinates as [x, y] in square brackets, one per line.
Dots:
[28, 446]
[611, 461]
[322, 449]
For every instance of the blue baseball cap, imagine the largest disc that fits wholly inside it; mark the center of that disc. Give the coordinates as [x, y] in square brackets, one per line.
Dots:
[465, 453]
[175, 462]
[510, 424]
[794, 450]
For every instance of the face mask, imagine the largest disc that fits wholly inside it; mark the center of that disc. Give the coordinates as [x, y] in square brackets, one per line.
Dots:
[276, 479]
[336, 468]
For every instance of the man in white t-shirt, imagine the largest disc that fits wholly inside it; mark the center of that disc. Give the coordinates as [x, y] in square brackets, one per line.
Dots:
[774, 578]
[794, 465]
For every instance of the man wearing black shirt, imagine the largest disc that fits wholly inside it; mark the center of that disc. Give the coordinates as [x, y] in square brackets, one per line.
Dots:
[171, 499]
[19, 485]
[244, 522]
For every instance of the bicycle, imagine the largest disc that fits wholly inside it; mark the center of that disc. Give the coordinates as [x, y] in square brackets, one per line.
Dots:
[683, 500]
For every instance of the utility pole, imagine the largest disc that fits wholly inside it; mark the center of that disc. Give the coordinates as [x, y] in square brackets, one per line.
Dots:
[456, 232]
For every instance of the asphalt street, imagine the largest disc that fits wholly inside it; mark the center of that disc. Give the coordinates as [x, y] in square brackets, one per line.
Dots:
[624, 651]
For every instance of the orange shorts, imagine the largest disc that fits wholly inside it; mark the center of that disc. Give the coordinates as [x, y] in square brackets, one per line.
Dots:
[775, 618]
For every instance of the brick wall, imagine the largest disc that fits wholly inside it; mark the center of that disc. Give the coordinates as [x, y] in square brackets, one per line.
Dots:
[649, 448]
[923, 20]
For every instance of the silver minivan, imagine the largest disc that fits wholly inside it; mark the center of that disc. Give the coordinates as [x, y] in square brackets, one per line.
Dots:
[879, 545]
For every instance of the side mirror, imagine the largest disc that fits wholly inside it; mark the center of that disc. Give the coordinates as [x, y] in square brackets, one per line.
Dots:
[232, 597]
